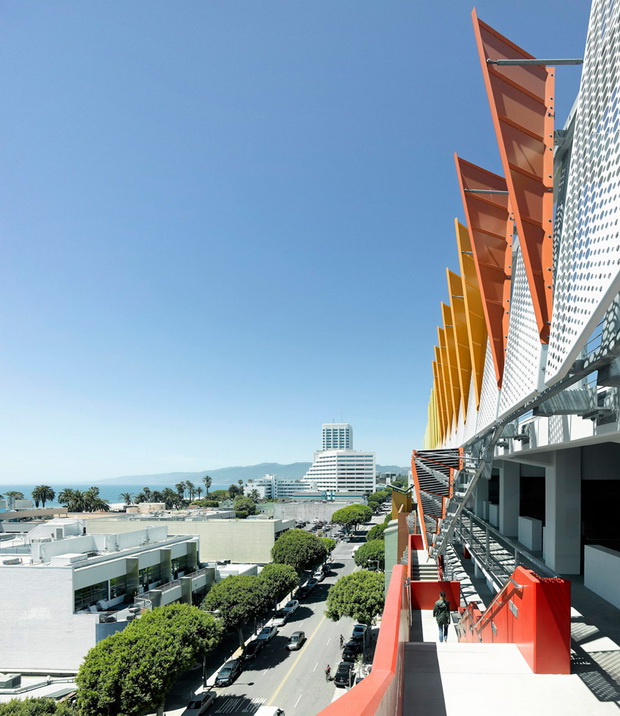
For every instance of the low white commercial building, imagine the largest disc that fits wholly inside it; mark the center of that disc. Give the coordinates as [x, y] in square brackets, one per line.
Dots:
[342, 471]
[277, 488]
[64, 590]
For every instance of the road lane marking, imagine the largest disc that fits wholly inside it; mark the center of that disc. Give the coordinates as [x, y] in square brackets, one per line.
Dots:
[294, 664]
[317, 663]
[328, 641]
[298, 700]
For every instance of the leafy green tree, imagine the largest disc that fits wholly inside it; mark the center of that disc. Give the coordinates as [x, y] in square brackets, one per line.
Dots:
[208, 481]
[239, 599]
[43, 494]
[233, 491]
[131, 671]
[220, 495]
[352, 515]
[388, 519]
[299, 549]
[359, 595]
[279, 579]
[371, 555]
[330, 544]
[35, 707]
[244, 505]
[376, 532]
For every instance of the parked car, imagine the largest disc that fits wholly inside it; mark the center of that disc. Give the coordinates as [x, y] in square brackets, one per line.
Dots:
[351, 649]
[360, 632]
[291, 606]
[251, 649]
[296, 640]
[311, 584]
[280, 617]
[267, 633]
[200, 703]
[302, 592]
[344, 674]
[228, 673]
[319, 575]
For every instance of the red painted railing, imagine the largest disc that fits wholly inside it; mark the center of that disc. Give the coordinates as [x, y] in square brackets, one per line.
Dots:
[532, 612]
[380, 693]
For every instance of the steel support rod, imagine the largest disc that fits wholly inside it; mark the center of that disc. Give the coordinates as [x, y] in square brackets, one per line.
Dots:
[484, 191]
[574, 61]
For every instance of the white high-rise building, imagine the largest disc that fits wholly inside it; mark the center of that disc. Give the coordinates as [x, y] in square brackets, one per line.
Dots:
[337, 436]
[339, 468]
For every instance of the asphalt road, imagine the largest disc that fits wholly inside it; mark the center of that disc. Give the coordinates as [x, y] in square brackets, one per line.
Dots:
[293, 681]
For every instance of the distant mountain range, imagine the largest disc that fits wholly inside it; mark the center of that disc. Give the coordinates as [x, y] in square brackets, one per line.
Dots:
[227, 475]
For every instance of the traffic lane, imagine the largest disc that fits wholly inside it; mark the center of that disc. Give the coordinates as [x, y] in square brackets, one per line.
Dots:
[278, 677]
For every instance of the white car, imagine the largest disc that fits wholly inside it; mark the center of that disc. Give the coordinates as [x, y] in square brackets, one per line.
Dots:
[319, 575]
[200, 703]
[291, 606]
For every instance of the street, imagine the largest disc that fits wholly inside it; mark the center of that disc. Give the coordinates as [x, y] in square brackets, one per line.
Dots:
[291, 680]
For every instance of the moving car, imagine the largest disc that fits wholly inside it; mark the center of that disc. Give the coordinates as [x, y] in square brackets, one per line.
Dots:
[280, 617]
[344, 674]
[228, 673]
[291, 606]
[251, 649]
[267, 633]
[200, 703]
[296, 640]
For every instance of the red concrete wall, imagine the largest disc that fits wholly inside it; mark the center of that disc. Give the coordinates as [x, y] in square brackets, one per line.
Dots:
[416, 542]
[541, 627]
[425, 594]
[380, 693]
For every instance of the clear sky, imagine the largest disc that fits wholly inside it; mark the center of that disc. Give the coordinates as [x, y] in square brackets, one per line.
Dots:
[225, 222]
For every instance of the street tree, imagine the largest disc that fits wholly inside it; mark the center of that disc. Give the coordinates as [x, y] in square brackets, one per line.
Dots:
[244, 507]
[42, 494]
[238, 599]
[376, 532]
[299, 549]
[359, 595]
[41, 706]
[371, 555]
[131, 671]
[352, 515]
[279, 579]
[330, 545]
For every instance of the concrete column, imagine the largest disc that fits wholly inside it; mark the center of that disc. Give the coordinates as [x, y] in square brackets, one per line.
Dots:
[509, 482]
[481, 496]
[562, 537]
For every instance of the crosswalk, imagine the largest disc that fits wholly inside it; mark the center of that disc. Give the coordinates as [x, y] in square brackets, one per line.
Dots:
[238, 705]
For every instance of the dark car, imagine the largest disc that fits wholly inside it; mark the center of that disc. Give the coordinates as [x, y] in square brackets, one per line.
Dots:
[296, 640]
[360, 633]
[351, 649]
[311, 584]
[302, 592]
[344, 674]
[228, 673]
[251, 650]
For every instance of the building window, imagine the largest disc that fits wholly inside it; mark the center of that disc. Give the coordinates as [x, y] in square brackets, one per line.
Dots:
[148, 575]
[179, 564]
[89, 596]
[118, 586]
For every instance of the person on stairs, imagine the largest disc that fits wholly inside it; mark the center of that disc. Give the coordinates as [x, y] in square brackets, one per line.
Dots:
[441, 612]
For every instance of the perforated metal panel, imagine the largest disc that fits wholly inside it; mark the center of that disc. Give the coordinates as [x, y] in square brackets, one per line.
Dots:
[523, 353]
[470, 425]
[490, 393]
[588, 270]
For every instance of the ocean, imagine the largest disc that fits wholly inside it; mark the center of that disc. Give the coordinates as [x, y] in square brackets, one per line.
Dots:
[107, 491]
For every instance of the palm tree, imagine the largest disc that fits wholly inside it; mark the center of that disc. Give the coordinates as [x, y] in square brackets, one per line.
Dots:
[15, 494]
[208, 481]
[140, 497]
[94, 503]
[126, 497]
[73, 500]
[199, 491]
[147, 494]
[170, 498]
[191, 489]
[180, 488]
[240, 486]
[254, 495]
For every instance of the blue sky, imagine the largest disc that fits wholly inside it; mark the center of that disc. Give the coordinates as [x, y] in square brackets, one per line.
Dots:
[226, 222]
